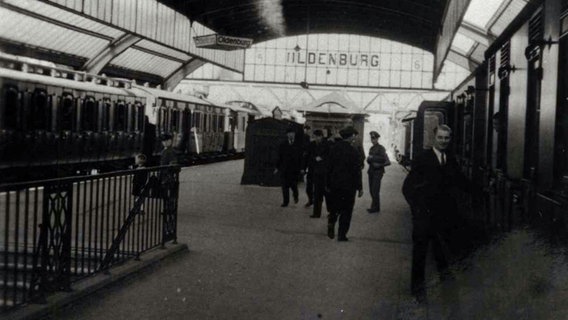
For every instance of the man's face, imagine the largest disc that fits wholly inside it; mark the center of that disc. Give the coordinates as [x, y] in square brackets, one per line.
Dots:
[318, 138]
[291, 135]
[442, 140]
[167, 143]
[374, 140]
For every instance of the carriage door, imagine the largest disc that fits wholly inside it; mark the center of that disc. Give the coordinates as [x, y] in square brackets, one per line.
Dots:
[534, 57]
[561, 149]
[503, 115]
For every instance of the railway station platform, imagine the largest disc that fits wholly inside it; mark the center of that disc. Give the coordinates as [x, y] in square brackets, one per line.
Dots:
[251, 259]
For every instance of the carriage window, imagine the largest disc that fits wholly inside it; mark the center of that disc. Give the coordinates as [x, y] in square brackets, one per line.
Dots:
[39, 112]
[162, 120]
[214, 119]
[120, 116]
[105, 124]
[197, 121]
[139, 116]
[67, 112]
[221, 123]
[10, 108]
[186, 120]
[175, 120]
[89, 114]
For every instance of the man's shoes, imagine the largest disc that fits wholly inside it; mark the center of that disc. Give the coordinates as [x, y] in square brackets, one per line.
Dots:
[284, 205]
[295, 199]
[371, 210]
[314, 216]
[331, 231]
[308, 204]
[342, 239]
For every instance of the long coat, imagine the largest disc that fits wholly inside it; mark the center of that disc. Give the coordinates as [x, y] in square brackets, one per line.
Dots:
[344, 169]
[289, 160]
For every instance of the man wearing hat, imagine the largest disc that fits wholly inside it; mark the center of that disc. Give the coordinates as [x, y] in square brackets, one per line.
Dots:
[343, 182]
[317, 166]
[289, 165]
[377, 160]
[168, 155]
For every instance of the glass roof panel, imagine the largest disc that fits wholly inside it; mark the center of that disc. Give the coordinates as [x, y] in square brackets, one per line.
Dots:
[21, 28]
[52, 12]
[462, 43]
[480, 12]
[515, 6]
[141, 61]
[151, 45]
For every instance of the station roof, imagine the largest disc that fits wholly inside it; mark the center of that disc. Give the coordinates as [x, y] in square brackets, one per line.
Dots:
[415, 22]
[152, 40]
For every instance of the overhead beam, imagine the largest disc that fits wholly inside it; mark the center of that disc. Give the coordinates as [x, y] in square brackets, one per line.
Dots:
[171, 81]
[452, 18]
[462, 60]
[476, 34]
[116, 47]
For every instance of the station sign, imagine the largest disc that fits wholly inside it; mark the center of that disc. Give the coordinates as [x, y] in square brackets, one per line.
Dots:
[221, 42]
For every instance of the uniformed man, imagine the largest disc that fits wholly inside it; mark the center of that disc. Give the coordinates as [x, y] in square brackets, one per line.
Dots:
[343, 183]
[377, 160]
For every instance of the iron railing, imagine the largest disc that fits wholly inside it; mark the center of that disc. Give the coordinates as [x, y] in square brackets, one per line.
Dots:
[55, 232]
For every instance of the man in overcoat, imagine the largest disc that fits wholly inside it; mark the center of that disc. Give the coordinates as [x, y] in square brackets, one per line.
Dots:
[289, 165]
[430, 189]
[343, 183]
[317, 159]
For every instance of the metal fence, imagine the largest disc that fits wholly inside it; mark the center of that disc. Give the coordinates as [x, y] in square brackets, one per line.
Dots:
[55, 232]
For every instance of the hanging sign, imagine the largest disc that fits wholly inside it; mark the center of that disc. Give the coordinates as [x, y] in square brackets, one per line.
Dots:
[217, 41]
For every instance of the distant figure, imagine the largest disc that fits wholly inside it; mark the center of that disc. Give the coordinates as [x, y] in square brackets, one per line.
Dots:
[317, 160]
[343, 182]
[309, 177]
[140, 178]
[289, 165]
[377, 160]
[430, 190]
[359, 147]
[168, 155]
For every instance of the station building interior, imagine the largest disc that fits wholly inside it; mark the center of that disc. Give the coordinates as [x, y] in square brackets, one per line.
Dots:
[222, 249]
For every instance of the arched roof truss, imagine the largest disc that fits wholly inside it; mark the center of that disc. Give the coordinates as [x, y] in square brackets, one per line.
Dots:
[142, 39]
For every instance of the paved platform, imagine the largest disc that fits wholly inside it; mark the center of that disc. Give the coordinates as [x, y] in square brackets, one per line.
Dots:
[251, 259]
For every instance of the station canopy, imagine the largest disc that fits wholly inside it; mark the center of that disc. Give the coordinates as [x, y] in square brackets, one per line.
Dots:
[152, 40]
[426, 24]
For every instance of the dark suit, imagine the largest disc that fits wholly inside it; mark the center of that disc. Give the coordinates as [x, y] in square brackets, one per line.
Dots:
[343, 181]
[289, 165]
[430, 190]
[317, 172]
[309, 176]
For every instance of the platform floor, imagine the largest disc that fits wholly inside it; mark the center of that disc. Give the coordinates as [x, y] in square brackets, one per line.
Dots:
[251, 259]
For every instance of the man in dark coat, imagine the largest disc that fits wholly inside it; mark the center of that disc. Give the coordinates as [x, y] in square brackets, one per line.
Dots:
[343, 182]
[377, 160]
[289, 165]
[317, 169]
[309, 177]
[430, 189]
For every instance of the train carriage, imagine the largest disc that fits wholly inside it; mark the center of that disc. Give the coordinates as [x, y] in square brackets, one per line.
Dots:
[58, 122]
